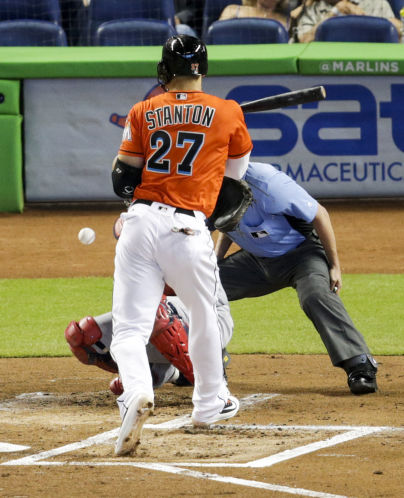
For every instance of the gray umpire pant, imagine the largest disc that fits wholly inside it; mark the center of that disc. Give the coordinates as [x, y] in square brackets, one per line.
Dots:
[306, 270]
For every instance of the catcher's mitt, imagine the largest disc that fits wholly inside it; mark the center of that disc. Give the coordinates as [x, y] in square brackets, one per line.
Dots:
[234, 198]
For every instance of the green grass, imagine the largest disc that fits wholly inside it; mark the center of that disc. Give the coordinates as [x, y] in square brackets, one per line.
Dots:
[276, 323]
[36, 312]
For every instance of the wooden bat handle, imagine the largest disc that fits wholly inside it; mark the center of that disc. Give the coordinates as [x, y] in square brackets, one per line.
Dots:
[304, 96]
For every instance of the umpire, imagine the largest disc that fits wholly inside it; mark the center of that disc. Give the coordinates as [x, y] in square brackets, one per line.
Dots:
[287, 240]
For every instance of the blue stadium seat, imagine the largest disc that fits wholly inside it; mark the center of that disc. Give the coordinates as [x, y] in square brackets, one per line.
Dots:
[357, 29]
[396, 5]
[212, 10]
[247, 30]
[31, 34]
[133, 32]
[101, 11]
[43, 10]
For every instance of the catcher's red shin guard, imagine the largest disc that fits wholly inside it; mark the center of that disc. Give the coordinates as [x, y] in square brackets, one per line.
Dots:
[170, 339]
[81, 336]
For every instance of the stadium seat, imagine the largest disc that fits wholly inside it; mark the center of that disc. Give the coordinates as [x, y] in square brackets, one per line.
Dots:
[212, 10]
[357, 29]
[396, 5]
[101, 11]
[133, 32]
[247, 30]
[31, 34]
[43, 10]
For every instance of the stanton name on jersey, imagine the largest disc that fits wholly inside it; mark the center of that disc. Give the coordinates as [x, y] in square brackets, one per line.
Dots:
[180, 114]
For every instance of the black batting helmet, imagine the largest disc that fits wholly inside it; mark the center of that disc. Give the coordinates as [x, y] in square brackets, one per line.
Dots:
[183, 55]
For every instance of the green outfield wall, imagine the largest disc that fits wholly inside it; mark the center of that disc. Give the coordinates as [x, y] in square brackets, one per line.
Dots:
[21, 63]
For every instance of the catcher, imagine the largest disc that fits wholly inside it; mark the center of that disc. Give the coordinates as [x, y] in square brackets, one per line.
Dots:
[90, 338]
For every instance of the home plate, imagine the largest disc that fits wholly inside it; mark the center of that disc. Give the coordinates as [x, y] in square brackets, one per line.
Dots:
[9, 448]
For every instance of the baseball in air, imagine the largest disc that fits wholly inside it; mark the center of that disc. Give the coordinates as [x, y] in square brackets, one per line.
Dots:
[86, 236]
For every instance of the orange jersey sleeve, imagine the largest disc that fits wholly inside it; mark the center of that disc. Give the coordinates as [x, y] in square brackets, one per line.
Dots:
[185, 139]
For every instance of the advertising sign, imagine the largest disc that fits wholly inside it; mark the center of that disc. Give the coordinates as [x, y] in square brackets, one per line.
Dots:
[350, 145]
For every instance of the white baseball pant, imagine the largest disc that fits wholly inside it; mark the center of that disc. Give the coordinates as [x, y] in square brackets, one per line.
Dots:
[151, 251]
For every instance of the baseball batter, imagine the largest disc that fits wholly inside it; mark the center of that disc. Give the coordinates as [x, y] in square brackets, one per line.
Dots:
[287, 240]
[176, 148]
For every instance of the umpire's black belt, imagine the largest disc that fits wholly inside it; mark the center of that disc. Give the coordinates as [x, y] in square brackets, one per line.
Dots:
[189, 212]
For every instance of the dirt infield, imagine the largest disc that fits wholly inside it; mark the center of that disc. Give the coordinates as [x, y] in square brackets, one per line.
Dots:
[43, 241]
[299, 431]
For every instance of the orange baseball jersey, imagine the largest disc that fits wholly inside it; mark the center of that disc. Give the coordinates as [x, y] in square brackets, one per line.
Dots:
[185, 139]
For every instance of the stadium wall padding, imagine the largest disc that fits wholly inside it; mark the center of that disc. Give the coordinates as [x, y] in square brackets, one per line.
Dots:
[11, 184]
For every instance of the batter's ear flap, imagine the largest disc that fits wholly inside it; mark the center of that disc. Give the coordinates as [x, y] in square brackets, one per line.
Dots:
[164, 76]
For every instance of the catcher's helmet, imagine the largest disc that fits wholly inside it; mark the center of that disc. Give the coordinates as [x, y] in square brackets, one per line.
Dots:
[183, 55]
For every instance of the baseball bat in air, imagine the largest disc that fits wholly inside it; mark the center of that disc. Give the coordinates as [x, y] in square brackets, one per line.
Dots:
[303, 96]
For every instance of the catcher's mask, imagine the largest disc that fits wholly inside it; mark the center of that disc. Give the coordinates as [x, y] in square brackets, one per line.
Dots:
[183, 55]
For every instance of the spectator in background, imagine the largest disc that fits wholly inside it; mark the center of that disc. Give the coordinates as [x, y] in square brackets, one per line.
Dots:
[271, 9]
[311, 13]
[189, 13]
[74, 20]
[188, 18]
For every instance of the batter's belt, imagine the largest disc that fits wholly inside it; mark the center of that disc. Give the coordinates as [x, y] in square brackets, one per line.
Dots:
[178, 210]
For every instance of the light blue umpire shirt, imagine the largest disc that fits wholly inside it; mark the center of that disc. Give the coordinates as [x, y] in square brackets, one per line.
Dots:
[264, 229]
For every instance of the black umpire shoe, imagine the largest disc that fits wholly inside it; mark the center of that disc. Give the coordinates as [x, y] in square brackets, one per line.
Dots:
[362, 381]
[361, 372]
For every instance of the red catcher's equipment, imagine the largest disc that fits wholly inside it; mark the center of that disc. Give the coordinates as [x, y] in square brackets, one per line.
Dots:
[81, 336]
[116, 386]
[170, 339]
[168, 291]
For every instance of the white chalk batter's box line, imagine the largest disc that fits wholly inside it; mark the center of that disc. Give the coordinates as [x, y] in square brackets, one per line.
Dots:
[349, 433]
